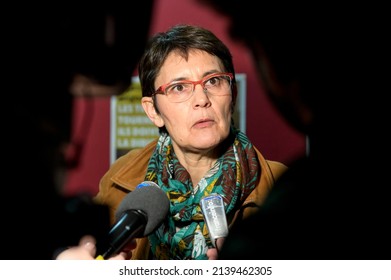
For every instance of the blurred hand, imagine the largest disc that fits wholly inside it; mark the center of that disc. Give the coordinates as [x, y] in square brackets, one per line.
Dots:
[86, 250]
[213, 253]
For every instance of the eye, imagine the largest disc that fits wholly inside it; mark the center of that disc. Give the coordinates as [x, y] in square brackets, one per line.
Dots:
[212, 82]
[178, 88]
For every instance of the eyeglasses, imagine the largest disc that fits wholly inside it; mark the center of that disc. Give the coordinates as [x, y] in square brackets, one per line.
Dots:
[180, 91]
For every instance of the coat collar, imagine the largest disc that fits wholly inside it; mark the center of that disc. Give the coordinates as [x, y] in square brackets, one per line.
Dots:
[134, 167]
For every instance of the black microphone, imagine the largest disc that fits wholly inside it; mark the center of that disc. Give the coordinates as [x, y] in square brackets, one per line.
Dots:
[138, 215]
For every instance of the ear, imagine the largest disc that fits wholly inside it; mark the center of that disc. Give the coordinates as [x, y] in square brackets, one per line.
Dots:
[149, 108]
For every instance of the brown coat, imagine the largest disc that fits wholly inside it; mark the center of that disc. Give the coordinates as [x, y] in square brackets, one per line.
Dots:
[129, 171]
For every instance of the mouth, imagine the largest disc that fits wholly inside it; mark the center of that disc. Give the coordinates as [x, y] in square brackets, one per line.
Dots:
[203, 123]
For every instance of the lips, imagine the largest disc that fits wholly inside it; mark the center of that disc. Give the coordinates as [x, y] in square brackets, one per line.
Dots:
[203, 122]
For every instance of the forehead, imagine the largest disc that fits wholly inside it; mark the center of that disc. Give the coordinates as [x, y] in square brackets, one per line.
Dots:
[194, 63]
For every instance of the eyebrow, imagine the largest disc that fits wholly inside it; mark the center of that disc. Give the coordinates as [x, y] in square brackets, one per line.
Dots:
[210, 72]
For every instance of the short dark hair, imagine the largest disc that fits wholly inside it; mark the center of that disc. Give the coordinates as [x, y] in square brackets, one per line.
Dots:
[181, 38]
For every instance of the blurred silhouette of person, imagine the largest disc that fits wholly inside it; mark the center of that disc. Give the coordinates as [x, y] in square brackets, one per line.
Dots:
[320, 67]
[54, 53]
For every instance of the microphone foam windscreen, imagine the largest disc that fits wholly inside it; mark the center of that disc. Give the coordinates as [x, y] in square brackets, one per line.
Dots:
[149, 198]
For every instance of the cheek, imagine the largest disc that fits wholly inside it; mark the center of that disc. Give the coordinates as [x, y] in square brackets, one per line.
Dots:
[225, 115]
[229, 109]
[171, 116]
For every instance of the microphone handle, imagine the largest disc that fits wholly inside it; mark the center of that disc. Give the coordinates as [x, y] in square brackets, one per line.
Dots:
[131, 225]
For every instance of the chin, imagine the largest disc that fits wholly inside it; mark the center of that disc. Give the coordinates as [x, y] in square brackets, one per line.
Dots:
[206, 143]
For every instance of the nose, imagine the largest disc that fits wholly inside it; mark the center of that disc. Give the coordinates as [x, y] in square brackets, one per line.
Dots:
[200, 96]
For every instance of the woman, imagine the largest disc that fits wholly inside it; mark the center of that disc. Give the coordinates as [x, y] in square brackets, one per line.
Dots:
[189, 90]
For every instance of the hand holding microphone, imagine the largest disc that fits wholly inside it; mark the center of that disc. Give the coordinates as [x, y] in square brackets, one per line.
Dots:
[138, 215]
[212, 207]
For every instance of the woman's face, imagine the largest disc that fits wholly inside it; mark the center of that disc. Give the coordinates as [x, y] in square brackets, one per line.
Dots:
[202, 122]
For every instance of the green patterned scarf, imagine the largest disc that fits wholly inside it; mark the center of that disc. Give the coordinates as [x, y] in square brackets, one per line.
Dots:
[184, 234]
